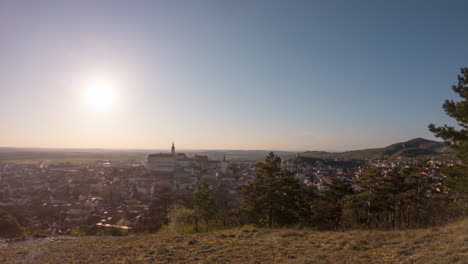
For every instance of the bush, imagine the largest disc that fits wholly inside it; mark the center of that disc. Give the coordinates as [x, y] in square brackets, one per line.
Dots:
[10, 227]
[113, 231]
[182, 219]
[84, 230]
[78, 231]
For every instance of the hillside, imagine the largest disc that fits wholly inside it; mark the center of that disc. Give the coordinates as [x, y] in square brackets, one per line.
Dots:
[415, 148]
[447, 244]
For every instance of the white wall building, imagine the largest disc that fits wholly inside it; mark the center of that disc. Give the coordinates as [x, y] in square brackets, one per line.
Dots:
[161, 162]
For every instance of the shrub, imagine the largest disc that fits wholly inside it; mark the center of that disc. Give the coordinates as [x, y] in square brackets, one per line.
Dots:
[181, 219]
[10, 227]
[113, 231]
[78, 231]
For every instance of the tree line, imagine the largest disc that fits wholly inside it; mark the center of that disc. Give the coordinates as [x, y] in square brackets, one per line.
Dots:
[379, 199]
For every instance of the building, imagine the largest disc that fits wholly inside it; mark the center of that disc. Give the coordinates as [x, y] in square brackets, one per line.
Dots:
[161, 162]
[171, 162]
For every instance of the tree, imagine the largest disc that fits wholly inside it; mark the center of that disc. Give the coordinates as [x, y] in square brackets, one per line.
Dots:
[10, 226]
[457, 138]
[227, 207]
[111, 197]
[394, 192]
[204, 204]
[274, 195]
[164, 198]
[335, 195]
[390, 197]
[369, 181]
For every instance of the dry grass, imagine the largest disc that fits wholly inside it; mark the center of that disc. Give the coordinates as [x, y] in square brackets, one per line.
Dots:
[448, 244]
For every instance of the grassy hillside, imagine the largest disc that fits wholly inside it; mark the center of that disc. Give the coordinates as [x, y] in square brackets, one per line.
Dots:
[448, 244]
[415, 148]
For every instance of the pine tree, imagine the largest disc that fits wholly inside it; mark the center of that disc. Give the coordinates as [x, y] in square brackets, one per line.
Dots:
[335, 194]
[274, 195]
[368, 182]
[457, 138]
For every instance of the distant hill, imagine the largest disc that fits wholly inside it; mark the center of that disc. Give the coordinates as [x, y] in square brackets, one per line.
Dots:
[415, 148]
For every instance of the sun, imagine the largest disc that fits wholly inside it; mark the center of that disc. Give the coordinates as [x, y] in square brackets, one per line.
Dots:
[100, 93]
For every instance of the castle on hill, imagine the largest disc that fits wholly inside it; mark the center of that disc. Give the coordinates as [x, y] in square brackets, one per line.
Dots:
[172, 162]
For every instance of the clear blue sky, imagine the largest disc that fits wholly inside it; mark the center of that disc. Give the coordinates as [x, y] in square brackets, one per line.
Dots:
[316, 75]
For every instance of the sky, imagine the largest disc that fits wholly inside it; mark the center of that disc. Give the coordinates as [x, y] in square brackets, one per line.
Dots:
[276, 75]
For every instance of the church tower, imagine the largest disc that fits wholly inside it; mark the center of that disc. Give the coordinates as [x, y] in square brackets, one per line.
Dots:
[173, 148]
[224, 165]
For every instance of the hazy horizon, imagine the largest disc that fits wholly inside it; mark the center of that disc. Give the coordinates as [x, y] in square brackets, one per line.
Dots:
[190, 150]
[222, 75]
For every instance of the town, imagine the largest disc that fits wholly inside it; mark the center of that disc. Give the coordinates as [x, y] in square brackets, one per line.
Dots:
[56, 196]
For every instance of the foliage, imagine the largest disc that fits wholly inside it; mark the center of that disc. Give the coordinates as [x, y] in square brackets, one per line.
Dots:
[334, 195]
[205, 207]
[399, 198]
[457, 138]
[111, 197]
[180, 217]
[228, 213]
[380, 198]
[79, 231]
[113, 231]
[163, 199]
[273, 198]
[10, 227]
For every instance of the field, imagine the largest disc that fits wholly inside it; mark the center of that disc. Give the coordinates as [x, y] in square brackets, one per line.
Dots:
[447, 244]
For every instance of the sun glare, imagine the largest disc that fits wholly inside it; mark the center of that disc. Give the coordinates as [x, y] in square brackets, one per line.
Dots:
[100, 93]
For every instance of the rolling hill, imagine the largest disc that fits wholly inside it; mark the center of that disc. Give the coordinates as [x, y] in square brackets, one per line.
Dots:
[412, 149]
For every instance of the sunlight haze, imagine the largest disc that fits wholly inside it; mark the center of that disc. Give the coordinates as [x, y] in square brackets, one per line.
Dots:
[306, 75]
